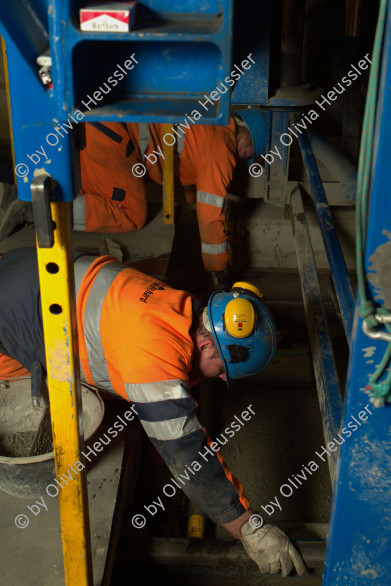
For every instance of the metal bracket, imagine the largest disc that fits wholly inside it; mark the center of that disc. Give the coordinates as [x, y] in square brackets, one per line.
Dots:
[375, 334]
[41, 187]
[383, 319]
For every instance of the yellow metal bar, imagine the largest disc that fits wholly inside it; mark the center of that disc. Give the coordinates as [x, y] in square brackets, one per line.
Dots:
[56, 276]
[168, 179]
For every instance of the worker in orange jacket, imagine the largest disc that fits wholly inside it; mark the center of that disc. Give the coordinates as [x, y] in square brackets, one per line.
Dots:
[148, 343]
[117, 156]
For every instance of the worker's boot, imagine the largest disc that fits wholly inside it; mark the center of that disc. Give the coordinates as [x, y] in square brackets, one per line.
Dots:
[18, 212]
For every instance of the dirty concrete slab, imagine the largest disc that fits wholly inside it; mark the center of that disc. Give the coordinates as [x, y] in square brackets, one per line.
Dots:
[268, 241]
[30, 527]
[276, 443]
[154, 240]
[33, 555]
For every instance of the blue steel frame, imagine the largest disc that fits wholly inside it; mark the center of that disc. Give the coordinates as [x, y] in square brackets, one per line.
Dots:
[339, 271]
[31, 116]
[183, 51]
[359, 544]
[252, 35]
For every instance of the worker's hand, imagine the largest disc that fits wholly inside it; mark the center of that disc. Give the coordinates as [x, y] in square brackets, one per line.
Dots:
[271, 550]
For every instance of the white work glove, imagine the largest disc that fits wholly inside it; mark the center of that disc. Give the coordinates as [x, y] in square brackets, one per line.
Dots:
[271, 550]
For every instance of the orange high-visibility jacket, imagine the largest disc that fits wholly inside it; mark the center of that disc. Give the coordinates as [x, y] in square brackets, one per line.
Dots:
[134, 341]
[205, 158]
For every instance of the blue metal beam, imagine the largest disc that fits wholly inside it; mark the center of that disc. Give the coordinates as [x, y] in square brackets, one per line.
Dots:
[339, 272]
[359, 545]
[251, 34]
[183, 53]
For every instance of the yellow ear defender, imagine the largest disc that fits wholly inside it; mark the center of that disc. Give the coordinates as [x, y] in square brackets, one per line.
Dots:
[239, 315]
[239, 318]
[243, 329]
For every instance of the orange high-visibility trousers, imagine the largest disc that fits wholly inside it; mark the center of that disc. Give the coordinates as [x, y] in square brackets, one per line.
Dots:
[112, 199]
[11, 368]
[206, 159]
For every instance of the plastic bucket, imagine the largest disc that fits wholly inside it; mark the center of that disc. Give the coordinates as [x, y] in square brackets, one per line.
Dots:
[20, 474]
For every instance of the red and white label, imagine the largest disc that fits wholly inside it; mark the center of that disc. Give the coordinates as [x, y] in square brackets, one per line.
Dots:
[116, 17]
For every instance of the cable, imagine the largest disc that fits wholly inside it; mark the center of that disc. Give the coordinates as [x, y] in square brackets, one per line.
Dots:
[368, 310]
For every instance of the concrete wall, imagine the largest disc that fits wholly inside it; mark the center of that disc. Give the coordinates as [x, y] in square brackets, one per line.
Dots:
[267, 241]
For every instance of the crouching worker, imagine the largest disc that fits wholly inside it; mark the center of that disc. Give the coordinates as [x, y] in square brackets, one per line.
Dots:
[148, 343]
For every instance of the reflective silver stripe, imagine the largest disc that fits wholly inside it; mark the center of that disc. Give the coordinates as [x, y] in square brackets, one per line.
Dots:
[172, 428]
[79, 214]
[213, 248]
[81, 266]
[92, 314]
[180, 141]
[158, 391]
[213, 200]
[143, 137]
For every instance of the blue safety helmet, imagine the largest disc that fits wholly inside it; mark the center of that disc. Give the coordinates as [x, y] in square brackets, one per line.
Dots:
[243, 329]
[256, 122]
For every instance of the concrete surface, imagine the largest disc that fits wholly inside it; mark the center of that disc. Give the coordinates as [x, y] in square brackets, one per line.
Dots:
[155, 240]
[267, 235]
[32, 555]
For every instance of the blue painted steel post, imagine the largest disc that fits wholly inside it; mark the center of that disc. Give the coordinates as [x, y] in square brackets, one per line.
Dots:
[252, 36]
[359, 545]
[339, 271]
[38, 148]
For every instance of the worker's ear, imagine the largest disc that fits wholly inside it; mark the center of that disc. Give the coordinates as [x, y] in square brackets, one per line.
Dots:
[240, 138]
[243, 135]
[206, 345]
[244, 144]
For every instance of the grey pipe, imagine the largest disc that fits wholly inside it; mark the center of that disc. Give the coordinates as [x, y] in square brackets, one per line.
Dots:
[335, 161]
